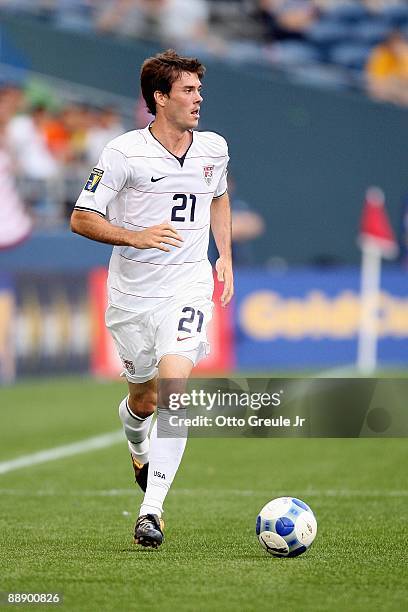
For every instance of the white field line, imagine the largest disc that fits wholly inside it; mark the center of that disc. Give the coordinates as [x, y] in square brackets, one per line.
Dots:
[369, 493]
[59, 452]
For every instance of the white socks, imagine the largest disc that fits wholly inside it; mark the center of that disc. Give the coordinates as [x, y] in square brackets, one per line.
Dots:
[136, 431]
[165, 457]
[164, 454]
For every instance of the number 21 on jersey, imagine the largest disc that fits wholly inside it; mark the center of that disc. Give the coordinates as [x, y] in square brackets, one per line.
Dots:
[177, 212]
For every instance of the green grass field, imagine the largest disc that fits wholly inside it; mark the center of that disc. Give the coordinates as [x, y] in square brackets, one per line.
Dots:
[66, 525]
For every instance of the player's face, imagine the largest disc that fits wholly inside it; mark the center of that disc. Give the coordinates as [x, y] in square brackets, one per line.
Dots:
[183, 102]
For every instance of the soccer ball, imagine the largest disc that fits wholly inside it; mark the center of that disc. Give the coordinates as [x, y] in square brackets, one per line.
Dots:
[286, 527]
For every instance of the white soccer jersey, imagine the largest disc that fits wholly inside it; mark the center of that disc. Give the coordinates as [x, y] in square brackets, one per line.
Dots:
[138, 183]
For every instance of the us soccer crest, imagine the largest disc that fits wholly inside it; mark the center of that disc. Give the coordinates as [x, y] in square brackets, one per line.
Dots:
[130, 366]
[208, 174]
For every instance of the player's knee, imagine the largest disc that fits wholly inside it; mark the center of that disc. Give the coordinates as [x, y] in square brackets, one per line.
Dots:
[143, 403]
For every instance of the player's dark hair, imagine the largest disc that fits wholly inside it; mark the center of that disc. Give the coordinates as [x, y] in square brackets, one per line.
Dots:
[159, 73]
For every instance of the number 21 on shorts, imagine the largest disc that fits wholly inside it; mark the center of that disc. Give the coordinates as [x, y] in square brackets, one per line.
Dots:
[195, 319]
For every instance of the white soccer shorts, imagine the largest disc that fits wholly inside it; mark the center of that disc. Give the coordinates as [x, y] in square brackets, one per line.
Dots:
[177, 326]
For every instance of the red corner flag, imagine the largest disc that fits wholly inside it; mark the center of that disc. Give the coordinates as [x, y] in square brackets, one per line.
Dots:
[375, 227]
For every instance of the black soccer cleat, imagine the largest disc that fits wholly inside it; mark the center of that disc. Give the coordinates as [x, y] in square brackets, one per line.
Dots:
[149, 531]
[141, 471]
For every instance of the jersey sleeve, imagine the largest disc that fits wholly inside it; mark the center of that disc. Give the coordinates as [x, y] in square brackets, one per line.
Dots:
[104, 182]
[222, 184]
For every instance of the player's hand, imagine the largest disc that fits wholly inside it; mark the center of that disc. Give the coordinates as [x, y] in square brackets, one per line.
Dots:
[225, 275]
[156, 237]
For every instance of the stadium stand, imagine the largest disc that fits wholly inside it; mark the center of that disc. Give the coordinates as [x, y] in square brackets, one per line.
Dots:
[330, 41]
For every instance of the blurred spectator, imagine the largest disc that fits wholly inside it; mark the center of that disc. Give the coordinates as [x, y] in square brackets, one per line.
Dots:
[12, 99]
[57, 137]
[183, 20]
[387, 70]
[287, 19]
[75, 119]
[246, 226]
[39, 170]
[106, 126]
[25, 133]
[170, 20]
[73, 14]
[15, 223]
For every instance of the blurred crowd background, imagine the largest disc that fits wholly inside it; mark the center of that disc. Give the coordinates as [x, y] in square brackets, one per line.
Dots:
[50, 146]
[344, 43]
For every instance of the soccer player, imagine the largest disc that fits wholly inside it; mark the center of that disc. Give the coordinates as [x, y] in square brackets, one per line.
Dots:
[154, 194]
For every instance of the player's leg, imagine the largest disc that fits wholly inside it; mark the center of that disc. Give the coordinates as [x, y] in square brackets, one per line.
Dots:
[134, 339]
[166, 450]
[136, 413]
[180, 343]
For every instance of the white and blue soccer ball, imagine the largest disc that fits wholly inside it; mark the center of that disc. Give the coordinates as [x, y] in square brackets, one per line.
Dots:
[286, 527]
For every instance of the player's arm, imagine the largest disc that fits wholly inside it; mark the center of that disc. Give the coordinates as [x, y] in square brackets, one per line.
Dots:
[221, 229]
[104, 184]
[93, 226]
